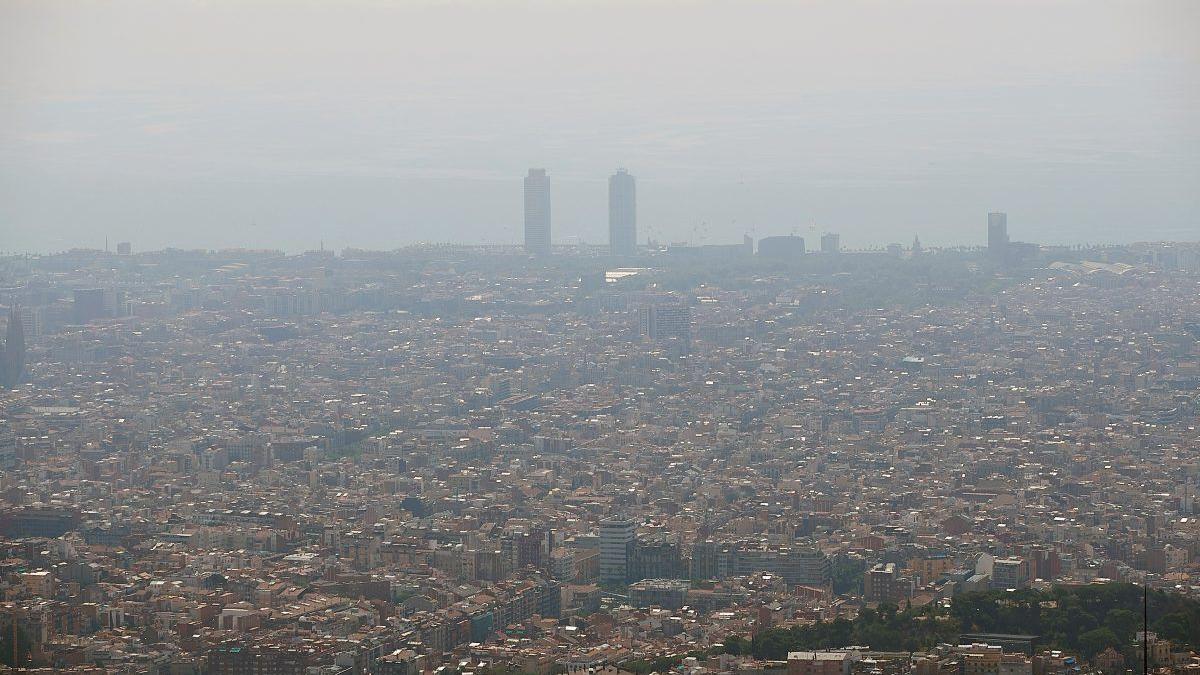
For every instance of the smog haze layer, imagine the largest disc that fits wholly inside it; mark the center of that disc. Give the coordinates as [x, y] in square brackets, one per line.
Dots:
[376, 125]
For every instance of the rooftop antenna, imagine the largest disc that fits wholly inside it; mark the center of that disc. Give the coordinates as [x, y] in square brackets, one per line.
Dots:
[1145, 626]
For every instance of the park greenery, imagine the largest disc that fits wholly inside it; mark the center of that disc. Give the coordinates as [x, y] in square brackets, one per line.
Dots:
[1084, 620]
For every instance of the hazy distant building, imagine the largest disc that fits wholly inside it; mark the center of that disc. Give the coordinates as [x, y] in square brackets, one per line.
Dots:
[12, 354]
[8, 446]
[655, 557]
[796, 565]
[88, 304]
[32, 320]
[788, 247]
[537, 212]
[998, 235]
[617, 537]
[124, 248]
[831, 242]
[665, 593]
[665, 322]
[622, 213]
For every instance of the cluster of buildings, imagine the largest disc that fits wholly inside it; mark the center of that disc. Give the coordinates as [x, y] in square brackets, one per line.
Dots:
[622, 222]
[451, 458]
[622, 213]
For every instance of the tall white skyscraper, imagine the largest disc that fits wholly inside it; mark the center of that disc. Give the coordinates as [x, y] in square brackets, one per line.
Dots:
[537, 212]
[622, 213]
[617, 535]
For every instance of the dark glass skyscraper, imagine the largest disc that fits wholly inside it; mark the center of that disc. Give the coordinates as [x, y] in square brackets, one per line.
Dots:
[622, 213]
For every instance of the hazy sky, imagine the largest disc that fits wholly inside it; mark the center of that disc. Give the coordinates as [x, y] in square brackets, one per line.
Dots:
[377, 124]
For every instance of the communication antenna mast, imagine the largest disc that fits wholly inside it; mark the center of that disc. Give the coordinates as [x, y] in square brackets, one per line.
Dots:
[1145, 626]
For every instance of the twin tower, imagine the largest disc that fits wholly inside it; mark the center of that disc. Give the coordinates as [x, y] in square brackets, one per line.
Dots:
[622, 213]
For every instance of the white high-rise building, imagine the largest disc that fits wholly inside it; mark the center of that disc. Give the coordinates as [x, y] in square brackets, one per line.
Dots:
[664, 322]
[622, 213]
[617, 535]
[537, 212]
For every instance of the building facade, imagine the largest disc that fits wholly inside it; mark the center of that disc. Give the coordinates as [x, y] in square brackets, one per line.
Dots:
[617, 537]
[537, 212]
[622, 213]
[997, 235]
[659, 323]
[831, 243]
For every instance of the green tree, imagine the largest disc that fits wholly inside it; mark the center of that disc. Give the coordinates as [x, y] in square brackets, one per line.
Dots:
[1179, 627]
[1065, 618]
[737, 645]
[1095, 641]
[1122, 622]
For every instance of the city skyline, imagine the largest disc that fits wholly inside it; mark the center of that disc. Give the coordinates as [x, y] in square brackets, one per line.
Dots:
[538, 238]
[750, 373]
[376, 124]
[538, 232]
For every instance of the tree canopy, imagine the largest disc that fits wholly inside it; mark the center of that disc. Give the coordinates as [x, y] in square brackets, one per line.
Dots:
[1084, 620]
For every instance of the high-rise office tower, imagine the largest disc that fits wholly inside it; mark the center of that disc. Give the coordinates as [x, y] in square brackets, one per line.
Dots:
[32, 321]
[997, 235]
[12, 353]
[665, 322]
[622, 213]
[537, 212]
[617, 535]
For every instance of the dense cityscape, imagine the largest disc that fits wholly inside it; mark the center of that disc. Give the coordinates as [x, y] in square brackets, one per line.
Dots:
[755, 458]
